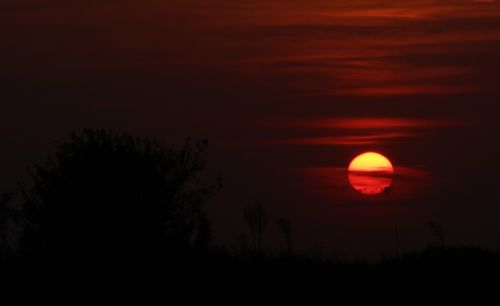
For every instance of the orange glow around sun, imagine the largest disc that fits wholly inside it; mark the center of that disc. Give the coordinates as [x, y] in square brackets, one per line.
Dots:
[371, 173]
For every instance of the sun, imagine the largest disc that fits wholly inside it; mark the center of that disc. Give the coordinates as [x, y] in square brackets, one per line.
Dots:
[371, 173]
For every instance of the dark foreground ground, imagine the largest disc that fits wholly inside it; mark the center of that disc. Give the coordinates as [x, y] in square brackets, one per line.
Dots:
[452, 276]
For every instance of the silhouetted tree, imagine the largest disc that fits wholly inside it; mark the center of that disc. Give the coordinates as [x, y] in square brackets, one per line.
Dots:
[284, 224]
[256, 220]
[104, 196]
[6, 216]
[438, 232]
[243, 244]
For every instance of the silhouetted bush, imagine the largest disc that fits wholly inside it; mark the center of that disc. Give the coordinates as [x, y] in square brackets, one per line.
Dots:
[104, 197]
[284, 224]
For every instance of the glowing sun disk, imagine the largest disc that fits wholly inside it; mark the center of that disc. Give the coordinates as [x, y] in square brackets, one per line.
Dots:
[371, 174]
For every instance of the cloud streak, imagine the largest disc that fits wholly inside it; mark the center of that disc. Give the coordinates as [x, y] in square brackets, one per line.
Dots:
[346, 140]
[363, 131]
[377, 49]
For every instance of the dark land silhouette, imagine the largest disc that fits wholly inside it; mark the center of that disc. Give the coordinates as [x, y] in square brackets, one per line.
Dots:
[131, 213]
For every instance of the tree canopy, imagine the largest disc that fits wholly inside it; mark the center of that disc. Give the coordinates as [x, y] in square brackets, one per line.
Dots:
[107, 195]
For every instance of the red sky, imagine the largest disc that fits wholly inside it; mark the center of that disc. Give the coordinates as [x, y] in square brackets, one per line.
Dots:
[280, 88]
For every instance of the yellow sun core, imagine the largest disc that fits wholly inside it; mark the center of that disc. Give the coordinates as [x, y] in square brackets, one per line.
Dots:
[371, 162]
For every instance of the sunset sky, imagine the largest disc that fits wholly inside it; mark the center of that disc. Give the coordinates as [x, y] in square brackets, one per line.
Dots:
[288, 92]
